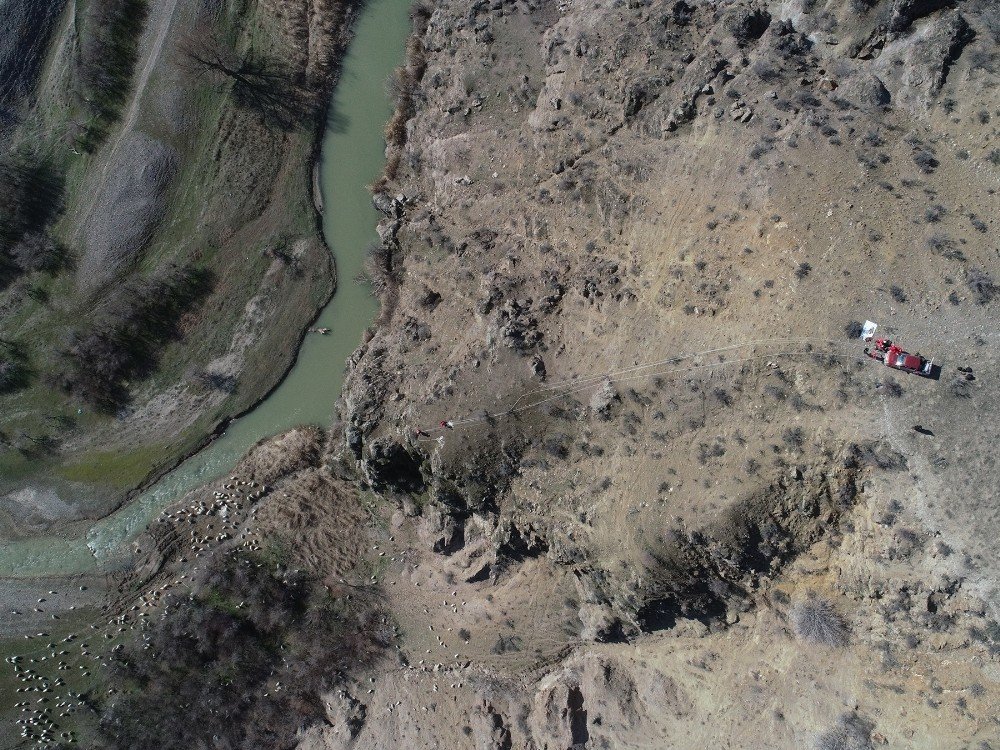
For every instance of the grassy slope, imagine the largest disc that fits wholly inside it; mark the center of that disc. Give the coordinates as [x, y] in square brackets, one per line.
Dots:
[241, 186]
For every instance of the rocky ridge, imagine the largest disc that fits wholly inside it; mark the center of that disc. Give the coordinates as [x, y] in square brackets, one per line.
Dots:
[720, 189]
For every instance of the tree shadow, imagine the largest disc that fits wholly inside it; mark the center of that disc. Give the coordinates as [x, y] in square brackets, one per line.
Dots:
[259, 83]
[336, 121]
[15, 369]
[263, 86]
[34, 447]
[31, 196]
[124, 343]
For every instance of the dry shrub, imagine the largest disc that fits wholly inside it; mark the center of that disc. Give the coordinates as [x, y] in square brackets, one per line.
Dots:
[379, 270]
[816, 621]
[982, 285]
[402, 86]
[852, 732]
[925, 161]
[207, 673]
[36, 251]
[390, 172]
[121, 343]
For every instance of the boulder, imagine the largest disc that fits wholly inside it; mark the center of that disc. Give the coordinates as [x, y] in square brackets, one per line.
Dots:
[559, 717]
[599, 622]
[605, 396]
[867, 91]
[748, 24]
[905, 12]
[385, 204]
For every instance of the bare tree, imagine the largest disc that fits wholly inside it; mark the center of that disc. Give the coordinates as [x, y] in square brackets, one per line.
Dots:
[36, 251]
[258, 82]
[8, 375]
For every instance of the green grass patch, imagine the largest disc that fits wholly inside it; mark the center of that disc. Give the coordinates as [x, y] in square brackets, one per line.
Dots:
[277, 553]
[115, 468]
[220, 601]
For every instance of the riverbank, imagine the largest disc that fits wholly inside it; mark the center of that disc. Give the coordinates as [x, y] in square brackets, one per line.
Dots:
[311, 388]
[240, 208]
[350, 158]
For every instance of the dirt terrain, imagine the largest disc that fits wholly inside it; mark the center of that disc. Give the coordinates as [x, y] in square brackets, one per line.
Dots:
[611, 469]
[627, 249]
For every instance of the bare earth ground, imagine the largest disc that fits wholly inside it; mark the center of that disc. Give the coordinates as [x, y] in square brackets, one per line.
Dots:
[588, 189]
[625, 250]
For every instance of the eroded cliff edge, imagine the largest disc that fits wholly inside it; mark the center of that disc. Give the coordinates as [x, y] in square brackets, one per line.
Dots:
[626, 250]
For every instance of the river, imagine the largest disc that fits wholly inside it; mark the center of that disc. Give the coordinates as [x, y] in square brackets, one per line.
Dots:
[352, 156]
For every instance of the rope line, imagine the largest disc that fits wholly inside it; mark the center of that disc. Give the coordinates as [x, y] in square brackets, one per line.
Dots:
[601, 376]
[569, 386]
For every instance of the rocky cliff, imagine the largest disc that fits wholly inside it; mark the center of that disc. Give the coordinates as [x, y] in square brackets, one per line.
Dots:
[627, 247]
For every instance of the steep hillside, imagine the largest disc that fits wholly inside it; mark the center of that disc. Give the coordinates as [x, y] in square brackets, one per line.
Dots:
[29, 26]
[627, 250]
[161, 254]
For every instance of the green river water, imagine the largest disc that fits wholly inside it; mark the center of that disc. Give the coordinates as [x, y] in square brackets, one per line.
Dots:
[352, 157]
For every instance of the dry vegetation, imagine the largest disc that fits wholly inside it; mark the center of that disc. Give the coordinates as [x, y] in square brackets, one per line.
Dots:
[242, 661]
[277, 611]
[851, 732]
[586, 190]
[123, 341]
[403, 87]
[816, 621]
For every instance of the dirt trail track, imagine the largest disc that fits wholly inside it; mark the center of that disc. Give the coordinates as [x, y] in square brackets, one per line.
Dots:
[158, 26]
[161, 16]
